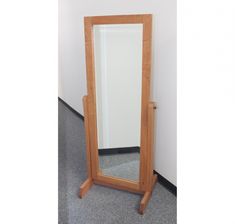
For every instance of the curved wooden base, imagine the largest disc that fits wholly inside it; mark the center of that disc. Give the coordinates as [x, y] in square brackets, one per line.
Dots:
[85, 187]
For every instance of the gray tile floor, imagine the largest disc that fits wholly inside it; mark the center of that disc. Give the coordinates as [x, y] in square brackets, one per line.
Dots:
[101, 205]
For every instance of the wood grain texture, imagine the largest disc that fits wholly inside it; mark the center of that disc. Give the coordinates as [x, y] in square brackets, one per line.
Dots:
[146, 72]
[151, 179]
[85, 187]
[118, 186]
[118, 19]
[128, 184]
[146, 179]
[90, 69]
[150, 140]
[87, 136]
[144, 202]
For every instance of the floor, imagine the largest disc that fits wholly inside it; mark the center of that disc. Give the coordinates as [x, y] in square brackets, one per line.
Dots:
[101, 205]
[124, 165]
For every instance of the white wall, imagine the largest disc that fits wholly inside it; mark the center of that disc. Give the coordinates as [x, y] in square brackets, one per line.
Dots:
[72, 73]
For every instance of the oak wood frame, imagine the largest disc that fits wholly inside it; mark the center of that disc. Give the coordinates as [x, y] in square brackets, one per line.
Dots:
[146, 179]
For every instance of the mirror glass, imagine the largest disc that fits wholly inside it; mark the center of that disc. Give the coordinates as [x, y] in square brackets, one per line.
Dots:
[118, 81]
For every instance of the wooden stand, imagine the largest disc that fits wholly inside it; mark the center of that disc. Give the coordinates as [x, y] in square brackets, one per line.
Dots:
[146, 179]
[144, 187]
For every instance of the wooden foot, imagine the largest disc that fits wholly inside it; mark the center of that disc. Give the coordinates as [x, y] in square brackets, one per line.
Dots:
[144, 202]
[147, 196]
[85, 187]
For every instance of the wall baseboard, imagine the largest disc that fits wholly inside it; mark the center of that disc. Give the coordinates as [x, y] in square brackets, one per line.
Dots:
[123, 150]
[162, 180]
[167, 184]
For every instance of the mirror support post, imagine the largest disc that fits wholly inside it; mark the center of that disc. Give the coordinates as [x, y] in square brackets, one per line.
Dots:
[151, 178]
[89, 181]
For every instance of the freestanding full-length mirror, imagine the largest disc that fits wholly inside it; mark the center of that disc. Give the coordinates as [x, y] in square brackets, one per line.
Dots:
[117, 110]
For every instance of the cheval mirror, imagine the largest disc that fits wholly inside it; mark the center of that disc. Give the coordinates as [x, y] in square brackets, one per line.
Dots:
[117, 112]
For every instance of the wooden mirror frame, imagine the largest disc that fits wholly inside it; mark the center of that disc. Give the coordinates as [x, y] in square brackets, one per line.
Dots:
[146, 177]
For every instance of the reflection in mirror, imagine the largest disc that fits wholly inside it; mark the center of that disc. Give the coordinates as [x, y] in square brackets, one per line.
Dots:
[118, 75]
